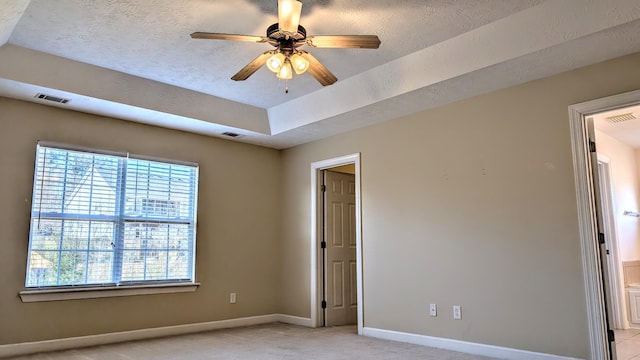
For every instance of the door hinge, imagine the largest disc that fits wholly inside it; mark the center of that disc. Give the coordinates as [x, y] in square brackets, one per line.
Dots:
[323, 188]
[592, 146]
[601, 238]
[324, 304]
[611, 335]
[323, 245]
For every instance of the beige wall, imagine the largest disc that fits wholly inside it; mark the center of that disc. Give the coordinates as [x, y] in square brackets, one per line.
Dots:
[469, 204]
[237, 244]
[624, 178]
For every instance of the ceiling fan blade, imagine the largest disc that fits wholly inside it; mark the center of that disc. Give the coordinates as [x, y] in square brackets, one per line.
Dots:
[344, 41]
[253, 66]
[289, 15]
[317, 70]
[234, 37]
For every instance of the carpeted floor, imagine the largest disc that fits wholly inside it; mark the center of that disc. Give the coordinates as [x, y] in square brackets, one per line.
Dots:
[260, 342]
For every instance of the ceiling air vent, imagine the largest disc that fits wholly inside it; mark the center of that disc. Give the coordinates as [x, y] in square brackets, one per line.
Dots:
[52, 98]
[620, 118]
[231, 134]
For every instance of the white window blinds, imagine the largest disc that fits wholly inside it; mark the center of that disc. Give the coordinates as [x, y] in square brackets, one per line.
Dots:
[101, 218]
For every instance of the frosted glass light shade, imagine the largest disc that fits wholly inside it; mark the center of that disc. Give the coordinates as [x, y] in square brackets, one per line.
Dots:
[285, 72]
[275, 62]
[289, 15]
[300, 64]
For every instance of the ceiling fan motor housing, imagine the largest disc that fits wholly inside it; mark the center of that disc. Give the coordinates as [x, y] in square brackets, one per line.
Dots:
[274, 33]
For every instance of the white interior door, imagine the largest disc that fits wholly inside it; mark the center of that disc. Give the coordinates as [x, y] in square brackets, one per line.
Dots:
[340, 266]
[618, 307]
[602, 244]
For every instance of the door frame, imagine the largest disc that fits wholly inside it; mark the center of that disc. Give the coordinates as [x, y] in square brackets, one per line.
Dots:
[618, 306]
[316, 228]
[594, 295]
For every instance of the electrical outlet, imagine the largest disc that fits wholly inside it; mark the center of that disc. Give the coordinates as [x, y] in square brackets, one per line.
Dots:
[433, 310]
[457, 312]
[232, 298]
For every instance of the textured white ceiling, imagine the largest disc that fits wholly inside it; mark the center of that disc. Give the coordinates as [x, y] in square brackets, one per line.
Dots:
[150, 38]
[135, 59]
[10, 14]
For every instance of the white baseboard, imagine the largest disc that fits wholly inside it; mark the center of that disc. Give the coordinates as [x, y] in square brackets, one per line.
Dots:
[110, 338]
[460, 346]
[294, 320]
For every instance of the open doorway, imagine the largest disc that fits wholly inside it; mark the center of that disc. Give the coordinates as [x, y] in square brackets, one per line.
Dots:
[336, 243]
[597, 231]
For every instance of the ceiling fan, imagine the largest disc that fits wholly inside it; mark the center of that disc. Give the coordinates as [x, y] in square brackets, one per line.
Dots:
[287, 35]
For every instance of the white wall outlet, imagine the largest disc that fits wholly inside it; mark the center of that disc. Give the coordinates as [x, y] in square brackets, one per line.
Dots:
[433, 310]
[457, 312]
[232, 298]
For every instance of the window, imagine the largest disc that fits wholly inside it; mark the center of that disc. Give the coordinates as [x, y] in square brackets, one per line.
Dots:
[110, 219]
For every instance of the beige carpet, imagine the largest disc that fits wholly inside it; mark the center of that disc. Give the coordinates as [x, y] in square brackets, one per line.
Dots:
[261, 342]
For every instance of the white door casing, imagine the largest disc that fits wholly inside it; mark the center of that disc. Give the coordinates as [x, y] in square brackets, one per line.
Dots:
[316, 167]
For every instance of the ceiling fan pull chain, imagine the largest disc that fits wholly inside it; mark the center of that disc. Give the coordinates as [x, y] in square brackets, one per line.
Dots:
[286, 87]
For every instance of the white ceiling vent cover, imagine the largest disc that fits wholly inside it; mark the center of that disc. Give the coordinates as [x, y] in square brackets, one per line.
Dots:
[620, 118]
[52, 98]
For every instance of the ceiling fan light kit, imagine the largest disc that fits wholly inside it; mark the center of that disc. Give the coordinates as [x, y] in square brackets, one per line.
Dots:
[286, 36]
[278, 62]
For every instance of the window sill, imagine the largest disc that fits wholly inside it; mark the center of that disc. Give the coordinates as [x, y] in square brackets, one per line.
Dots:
[38, 295]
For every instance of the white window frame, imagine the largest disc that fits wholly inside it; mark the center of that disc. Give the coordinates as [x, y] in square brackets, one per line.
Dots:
[68, 292]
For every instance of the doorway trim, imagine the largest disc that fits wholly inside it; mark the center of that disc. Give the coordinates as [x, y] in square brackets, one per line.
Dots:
[594, 295]
[315, 226]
